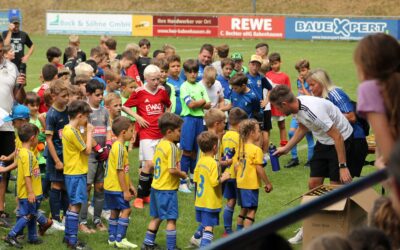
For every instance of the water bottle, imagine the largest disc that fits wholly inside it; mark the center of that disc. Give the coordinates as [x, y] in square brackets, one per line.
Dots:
[229, 154]
[273, 158]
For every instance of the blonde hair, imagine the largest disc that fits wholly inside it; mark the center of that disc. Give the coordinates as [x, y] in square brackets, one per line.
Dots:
[75, 90]
[213, 116]
[210, 73]
[322, 78]
[110, 97]
[58, 86]
[151, 69]
[74, 39]
[84, 69]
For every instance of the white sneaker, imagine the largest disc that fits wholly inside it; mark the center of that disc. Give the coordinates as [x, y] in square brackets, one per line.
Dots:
[195, 242]
[298, 238]
[184, 188]
[91, 210]
[105, 214]
[58, 225]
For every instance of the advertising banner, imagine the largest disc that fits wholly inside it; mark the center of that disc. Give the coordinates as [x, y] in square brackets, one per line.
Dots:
[190, 26]
[252, 27]
[3, 21]
[89, 24]
[337, 28]
[142, 25]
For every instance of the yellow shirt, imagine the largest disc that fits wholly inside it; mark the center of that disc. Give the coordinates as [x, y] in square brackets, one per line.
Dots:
[117, 160]
[75, 159]
[246, 176]
[18, 145]
[217, 156]
[28, 166]
[166, 156]
[208, 189]
[229, 141]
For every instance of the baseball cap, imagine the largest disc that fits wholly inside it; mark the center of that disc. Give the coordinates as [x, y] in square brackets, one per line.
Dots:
[18, 112]
[256, 58]
[236, 56]
[15, 19]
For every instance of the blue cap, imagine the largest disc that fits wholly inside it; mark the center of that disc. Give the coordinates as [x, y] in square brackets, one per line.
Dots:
[18, 112]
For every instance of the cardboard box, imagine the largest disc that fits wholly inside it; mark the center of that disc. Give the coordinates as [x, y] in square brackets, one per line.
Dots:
[340, 217]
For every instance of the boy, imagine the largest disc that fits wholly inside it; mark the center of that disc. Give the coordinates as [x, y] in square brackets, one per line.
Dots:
[119, 189]
[174, 69]
[164, 197]
[56, 119]
[213, 87]
[303, 68]
[77, 146]
[277, 77]
[242, 96]
[53, 55]
[71, 54]
[29, 187]
[113, 82]
[194, 99]
[81, 82]
[230, 141]
[262, 50]
[238, 67]
[49, 73]
[113, 104]
[74, 41]
[164, 67]
[111, 45]
[99, 118]
[151, 101]
[144, 58]
[127, 59]
[208, 189]
[128, 86]
[227, 65]
[222, 51]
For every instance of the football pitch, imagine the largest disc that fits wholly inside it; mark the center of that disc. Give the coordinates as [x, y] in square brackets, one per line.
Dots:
[333, 56]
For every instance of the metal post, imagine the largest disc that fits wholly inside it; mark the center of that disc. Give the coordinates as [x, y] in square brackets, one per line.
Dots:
[254, 6]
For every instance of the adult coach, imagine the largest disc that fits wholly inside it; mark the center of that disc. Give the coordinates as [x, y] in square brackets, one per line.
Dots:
[18, 39]
[203, 59]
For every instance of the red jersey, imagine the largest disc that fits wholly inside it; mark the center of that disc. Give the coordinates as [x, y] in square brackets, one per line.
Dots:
[133, 72]
[42, 105]
[150, 106]
[277, 78]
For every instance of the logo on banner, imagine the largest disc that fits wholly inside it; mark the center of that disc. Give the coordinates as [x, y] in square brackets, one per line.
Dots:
[342, 27]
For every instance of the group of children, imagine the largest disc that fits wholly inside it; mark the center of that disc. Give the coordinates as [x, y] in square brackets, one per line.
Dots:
[77, 114]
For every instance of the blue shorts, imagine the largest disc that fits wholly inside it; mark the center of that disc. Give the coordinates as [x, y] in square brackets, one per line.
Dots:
[26, 208]
[248, 198]
[76, 188]
[54, 174]
[294, 124]
[164, 204]
[115, 200]
[230, 191]
[191, 128]
[206, 218]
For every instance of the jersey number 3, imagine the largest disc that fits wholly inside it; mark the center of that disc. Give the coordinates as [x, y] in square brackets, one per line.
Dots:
[200, 186]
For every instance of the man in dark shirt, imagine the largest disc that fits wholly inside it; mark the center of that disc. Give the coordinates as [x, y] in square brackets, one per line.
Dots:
[18, 39]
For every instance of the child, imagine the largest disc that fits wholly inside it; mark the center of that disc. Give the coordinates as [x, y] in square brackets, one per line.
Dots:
[81, 82]
[71, 54]
[194, 99]
[242, 96]
[222, 51]
[151, 101]
[74, 41]
[49, 73]
[119, 189]
[56, 119]
[174, 69]
[227, 65]
[230, 141]
[128, 86]
[111, 45]
[276, 76]
[133, 71]
[208, 189]
[127, 59]
[249, 171]
[164, 196]
[75, 93]
[99, 118]
[53, 55]
[262, 50]
[144, 58]
[113, 82]
[113, 104]
[95, 71]
[164, 67]
[29, 187]
[76, 149]
[303, 68]
[214, 88]
[238, 67]
[169, 50]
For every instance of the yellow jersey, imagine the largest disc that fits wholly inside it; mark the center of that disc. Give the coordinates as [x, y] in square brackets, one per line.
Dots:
[230, 141]
[166, 156]
[217, 156]
[246, 176]
[75, 159]
[208, 187]
[28, 166]
[117, 160]
[18, 145]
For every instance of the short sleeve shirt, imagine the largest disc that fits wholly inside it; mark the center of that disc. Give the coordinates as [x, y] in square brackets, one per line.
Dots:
[18, 41]
[247, 177]
[370, 98]
[75, 159]
[28, 167]
[117, 161]
[215, 92]
[192, 92]
[249, 102]
[55, 122]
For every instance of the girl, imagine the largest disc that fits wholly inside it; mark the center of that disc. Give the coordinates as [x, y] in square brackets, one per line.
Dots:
[249, 171]
[377, 58]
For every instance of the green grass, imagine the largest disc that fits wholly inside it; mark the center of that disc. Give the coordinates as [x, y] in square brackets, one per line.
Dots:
[335, 57]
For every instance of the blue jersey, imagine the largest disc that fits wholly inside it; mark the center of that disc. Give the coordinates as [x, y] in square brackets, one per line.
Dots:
[199, 74]
[258, 83]
[249, 102]
[300, 88]
[177, 84]
[225, 86]
[55, 122]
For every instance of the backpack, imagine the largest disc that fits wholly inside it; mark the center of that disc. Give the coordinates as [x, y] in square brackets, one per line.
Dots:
[361, 121]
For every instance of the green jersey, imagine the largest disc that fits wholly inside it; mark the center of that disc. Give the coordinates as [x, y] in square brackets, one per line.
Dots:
[192, 92]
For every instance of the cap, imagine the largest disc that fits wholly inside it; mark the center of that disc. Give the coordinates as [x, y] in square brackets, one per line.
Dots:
[18, 112]
[15, 19]
[256, 58]
[236, 56]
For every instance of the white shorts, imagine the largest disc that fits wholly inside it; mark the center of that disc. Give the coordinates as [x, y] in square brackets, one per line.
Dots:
[147, 147]
[278, 118]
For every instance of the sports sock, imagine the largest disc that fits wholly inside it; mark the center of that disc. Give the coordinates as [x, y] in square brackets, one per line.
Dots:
[19, 226]
[121, 228]
[71, 227]
[228, 214]
[64, 201]
[199, 232]
[146, 190]
[150, 238]
[41, 219]
[55, 203]
[98, 205]
[143, 184]
[112, 229]
[171, 239]
[206, 239]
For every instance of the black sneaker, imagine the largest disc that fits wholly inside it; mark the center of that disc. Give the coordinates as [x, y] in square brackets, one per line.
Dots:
[149, 247]
[292, 163]
[308, 164]
[12, 241]
[79, 246]
[35, 241]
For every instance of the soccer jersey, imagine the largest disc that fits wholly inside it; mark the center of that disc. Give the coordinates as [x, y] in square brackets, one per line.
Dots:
[100, 119]
[192, 92]
[226, 87]
[249, 102]
[177, 83]
[123, 100]
[208, 189]
[42, 104]
[166, 156]
[258, 83]
[246, 176]
[300, 90]
[215, 92]
[75, 159]
[55, 122]
[118, 160]
[28, 166]
[277, 78]
[200, 73]
[231, 141]
[150, 106]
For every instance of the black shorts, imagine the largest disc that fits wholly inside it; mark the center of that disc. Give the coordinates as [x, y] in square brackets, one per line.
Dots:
[358, 154]
[325, 163]
[8, 144]
[267, 124]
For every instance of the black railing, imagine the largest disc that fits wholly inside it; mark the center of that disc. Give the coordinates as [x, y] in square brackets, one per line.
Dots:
[253, 236]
